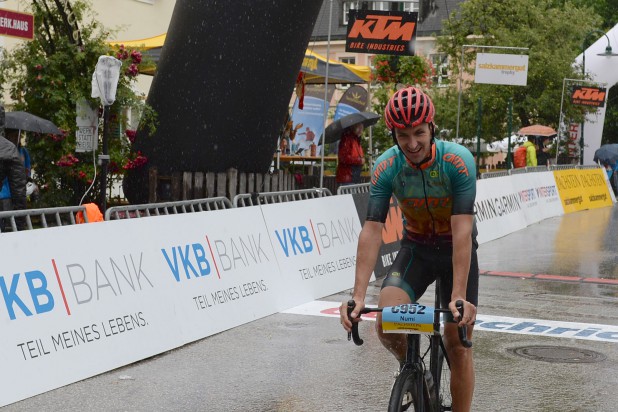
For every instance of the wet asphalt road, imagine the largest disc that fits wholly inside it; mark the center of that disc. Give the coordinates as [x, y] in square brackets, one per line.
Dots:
[289, 362]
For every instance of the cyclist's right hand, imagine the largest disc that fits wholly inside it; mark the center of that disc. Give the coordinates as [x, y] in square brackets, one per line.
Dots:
[343, 313]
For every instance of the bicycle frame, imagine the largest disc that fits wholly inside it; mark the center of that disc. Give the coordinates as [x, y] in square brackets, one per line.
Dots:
[414, 361]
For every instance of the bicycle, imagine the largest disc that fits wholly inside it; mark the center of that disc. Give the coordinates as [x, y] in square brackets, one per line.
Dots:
[429, 389]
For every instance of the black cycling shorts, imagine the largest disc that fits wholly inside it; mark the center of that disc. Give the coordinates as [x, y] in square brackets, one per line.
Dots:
[417, 266]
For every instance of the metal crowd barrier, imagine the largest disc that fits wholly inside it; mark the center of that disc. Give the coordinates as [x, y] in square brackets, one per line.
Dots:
[489, 175]
[532, 169]
[353, 189]
[167, 208]
[254, 199]
[60, 216]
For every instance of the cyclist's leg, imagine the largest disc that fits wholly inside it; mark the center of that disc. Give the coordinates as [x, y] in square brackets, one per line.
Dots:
[406, 281]
[461, 359]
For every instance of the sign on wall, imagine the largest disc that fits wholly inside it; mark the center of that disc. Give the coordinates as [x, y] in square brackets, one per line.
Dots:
[16, 24]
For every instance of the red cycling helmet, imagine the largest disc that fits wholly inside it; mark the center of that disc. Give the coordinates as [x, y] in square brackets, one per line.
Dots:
[408, 107]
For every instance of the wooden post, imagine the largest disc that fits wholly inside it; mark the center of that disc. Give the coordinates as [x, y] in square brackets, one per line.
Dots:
[198, 185]
[232, 182]
[210, 184]
[176, 186]
[187, 185]
[152, 185]
[221, 177]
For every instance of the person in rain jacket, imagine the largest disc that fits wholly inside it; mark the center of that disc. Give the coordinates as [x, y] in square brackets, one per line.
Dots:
[530, 151]
[12, 167]
[351, 156]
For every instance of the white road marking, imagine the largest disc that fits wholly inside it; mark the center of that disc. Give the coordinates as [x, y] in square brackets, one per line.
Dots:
[489, 323]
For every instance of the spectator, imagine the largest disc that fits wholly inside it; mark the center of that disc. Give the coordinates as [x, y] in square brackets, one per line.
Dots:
[542, 151]
[530, 151]
[12, 168]
[351, 156]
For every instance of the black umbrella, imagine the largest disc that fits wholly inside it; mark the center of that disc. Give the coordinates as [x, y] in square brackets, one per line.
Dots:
[30, 123]
[608, 153]
[334, 130]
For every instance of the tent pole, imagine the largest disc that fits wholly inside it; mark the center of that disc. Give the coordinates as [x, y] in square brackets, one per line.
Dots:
[326, 102]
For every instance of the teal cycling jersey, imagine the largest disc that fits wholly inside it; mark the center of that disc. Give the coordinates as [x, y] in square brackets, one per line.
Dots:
[427, 195]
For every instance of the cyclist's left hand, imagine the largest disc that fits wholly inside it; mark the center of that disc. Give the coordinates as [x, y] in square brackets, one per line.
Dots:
[469, 315]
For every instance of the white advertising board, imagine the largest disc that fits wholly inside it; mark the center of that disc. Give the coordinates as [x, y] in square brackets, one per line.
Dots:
[499, 209]
[538, 195]
[315, 244]
[99, 296]
[507, 69]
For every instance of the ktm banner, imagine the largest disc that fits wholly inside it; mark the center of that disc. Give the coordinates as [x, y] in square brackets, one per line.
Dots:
[381, 32]
[588, 96]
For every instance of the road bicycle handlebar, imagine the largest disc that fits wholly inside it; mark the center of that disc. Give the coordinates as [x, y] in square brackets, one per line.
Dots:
[462, 330]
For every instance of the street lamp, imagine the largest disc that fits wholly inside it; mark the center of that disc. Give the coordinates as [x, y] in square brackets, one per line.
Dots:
[608, 53]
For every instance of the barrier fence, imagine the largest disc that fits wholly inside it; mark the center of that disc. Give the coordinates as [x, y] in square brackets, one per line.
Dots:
[46, 217]
[62, 216]
[136, 288]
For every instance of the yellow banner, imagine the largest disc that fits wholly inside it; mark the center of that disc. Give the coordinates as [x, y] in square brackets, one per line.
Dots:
[582, 189]
[399, 327]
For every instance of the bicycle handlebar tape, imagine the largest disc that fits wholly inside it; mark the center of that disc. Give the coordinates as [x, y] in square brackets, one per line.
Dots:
[354, 334]
[463, 330]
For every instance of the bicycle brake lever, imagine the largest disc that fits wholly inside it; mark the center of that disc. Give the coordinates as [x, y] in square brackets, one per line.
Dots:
[354, 334]
[462, 330]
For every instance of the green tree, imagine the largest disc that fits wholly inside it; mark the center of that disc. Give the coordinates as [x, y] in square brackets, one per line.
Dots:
[48, 75]
[551, 30]
[389, 74]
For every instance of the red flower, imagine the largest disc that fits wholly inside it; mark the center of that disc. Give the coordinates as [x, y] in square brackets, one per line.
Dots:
[67, 160]
[132, 70]
[136, 56]
[131, 135]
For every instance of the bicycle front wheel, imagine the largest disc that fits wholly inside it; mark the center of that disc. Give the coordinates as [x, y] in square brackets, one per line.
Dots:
[404, 396]
[444, 378]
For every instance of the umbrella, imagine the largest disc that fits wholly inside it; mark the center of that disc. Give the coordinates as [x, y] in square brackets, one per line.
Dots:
[30, 123]
[608, 153]
[537, 130]
[334, 130]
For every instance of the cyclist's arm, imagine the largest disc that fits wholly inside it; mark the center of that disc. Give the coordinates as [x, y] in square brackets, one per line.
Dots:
[461, 226]
[369, 243]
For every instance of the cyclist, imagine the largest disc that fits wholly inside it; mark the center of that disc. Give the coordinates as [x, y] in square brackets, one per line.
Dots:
[434, 183]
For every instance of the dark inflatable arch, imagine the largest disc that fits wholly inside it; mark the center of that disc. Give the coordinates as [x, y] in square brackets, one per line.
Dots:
[223, 85]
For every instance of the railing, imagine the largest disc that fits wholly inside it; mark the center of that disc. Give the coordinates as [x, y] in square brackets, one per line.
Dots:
[353, 189]
[534, 169]
[60, 216]
[254, 199]
[167, 208]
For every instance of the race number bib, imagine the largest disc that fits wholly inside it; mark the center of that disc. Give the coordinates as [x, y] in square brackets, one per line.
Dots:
[409, 318]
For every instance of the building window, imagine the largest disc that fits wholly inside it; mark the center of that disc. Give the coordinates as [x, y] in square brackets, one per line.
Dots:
[440, 64]
[376, 5]
[348, 60]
